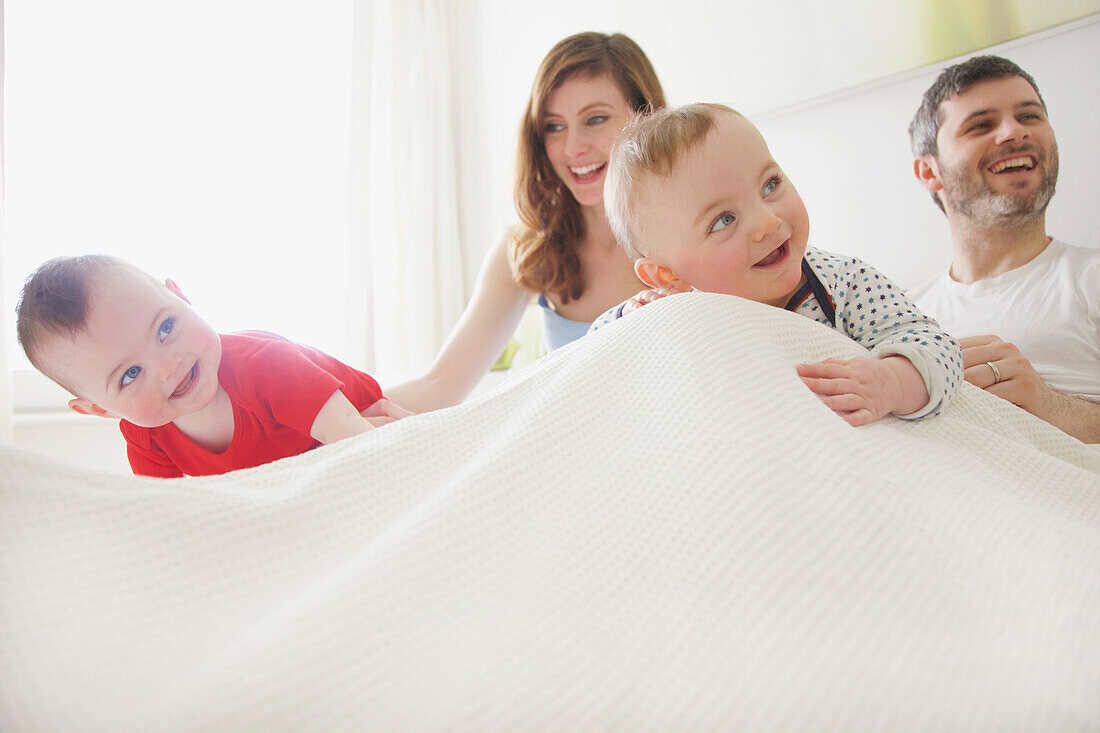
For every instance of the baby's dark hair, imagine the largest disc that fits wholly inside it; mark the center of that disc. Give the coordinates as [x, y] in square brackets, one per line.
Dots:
[54, 302]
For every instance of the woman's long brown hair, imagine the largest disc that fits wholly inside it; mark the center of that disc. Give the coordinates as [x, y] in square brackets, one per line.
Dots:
[543, 249]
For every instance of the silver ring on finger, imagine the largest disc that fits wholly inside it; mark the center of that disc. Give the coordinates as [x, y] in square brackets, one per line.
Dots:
[995, 370]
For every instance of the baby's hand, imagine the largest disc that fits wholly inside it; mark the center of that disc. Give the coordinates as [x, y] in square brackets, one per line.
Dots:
[383, 411]
[863, 390]
[647, 296]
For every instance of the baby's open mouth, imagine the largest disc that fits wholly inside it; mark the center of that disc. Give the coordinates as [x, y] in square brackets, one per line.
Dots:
[185, 386]
[775, 255]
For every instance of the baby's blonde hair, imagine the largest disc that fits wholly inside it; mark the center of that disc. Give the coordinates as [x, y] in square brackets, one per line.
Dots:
[651, 145]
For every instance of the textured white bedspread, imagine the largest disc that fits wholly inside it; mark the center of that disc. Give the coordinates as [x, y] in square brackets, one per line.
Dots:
[657, 527]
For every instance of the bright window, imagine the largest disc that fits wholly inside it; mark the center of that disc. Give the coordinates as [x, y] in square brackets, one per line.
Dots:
[205, 141]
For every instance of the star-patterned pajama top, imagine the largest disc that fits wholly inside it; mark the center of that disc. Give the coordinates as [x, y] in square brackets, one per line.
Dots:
[859, 301]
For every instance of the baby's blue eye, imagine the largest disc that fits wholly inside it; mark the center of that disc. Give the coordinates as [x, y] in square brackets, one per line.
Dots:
[723, 221]
[130, 375]
[166, 328]
[771, 186]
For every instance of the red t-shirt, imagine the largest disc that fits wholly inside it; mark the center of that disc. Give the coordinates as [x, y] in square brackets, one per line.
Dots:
[276, 387]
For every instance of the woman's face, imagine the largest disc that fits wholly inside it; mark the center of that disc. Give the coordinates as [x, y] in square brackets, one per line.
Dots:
[581, 119]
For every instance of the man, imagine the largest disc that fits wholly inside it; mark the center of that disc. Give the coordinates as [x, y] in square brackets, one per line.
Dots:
[986, 151]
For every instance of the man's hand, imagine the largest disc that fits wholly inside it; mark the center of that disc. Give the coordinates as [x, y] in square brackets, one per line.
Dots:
[647, 296]
[863, 390]
[999, 368]
[1011, 376]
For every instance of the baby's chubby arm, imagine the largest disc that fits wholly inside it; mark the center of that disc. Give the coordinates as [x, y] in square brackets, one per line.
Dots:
[863, 389]
[338, 418]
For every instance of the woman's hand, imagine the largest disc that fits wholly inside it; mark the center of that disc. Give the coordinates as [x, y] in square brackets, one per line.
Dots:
[647, 296]
[383, 411]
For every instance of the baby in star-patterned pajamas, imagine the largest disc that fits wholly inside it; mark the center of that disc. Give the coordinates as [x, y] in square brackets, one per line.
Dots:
[694, 196]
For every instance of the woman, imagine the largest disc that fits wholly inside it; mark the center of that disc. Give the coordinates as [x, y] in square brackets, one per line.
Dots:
[562, 250]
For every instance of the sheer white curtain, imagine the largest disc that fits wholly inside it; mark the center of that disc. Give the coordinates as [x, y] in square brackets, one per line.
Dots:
[6, 434]
[5, 375]
[408, 272]
[266, 123]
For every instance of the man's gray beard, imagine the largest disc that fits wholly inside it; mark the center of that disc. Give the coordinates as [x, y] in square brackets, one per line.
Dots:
[984, 207]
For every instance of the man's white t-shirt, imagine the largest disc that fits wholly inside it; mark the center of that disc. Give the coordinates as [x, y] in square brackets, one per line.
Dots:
[1049, 308]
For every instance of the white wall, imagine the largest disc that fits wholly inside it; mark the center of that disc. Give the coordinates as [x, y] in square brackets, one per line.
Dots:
[766, 56]
[91, 442]
[848, 154]
[6, 434]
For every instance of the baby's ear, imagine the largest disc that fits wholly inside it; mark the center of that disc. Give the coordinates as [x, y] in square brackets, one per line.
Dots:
[924, 167]
[176, 289]
[656, 275]
[87, 407]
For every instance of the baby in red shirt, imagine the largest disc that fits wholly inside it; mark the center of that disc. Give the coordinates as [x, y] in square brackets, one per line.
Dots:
[190, 401]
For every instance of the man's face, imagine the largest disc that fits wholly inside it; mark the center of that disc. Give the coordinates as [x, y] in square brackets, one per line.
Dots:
[998, 159]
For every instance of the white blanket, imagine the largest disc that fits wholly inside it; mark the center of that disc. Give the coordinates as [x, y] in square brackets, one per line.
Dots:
[657, 527]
